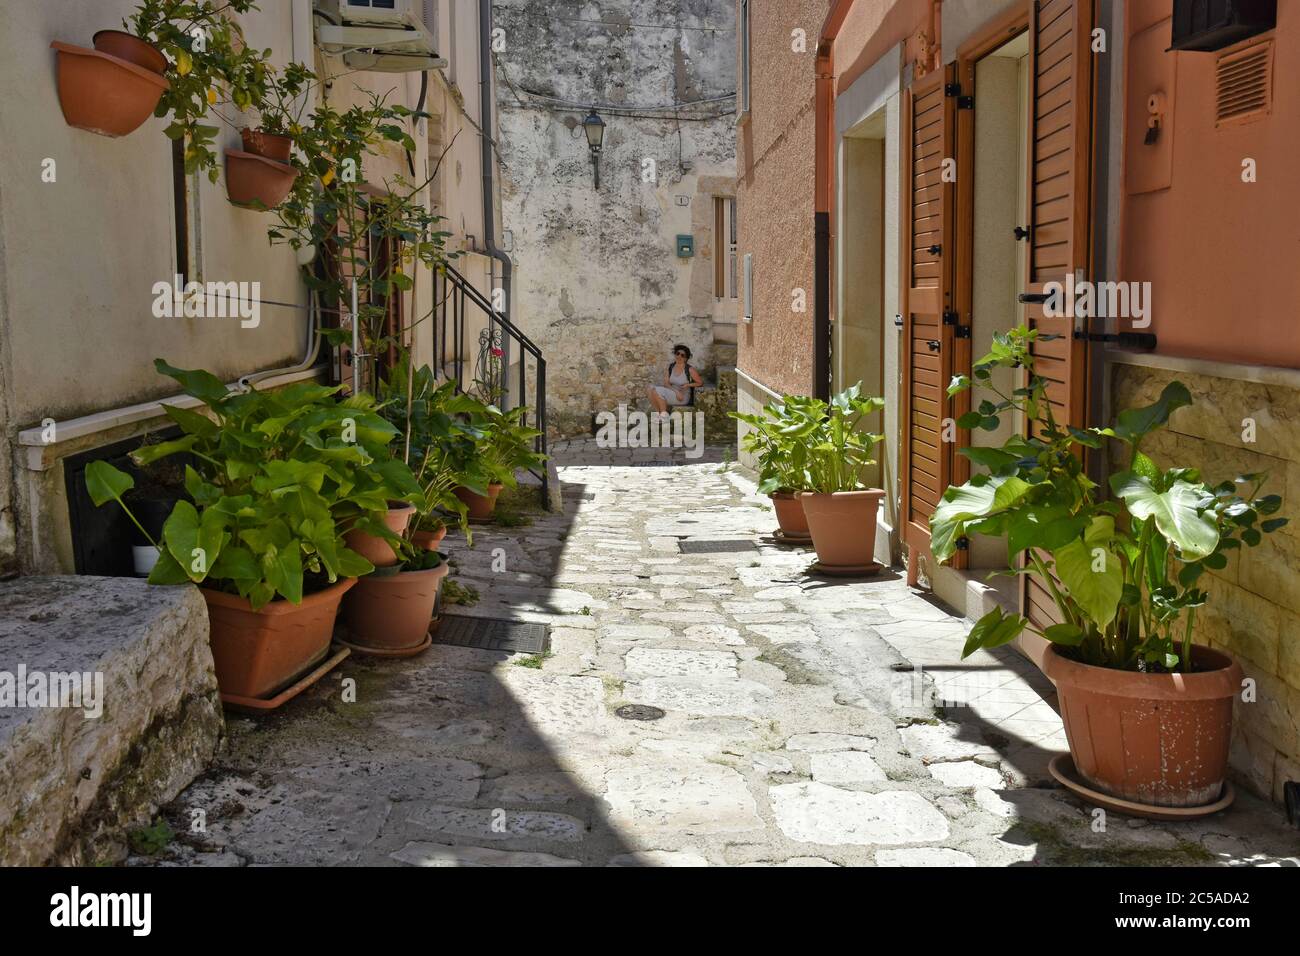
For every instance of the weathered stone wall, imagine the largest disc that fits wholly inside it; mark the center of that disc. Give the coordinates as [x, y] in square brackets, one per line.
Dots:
[601, 288]
[1254, 607]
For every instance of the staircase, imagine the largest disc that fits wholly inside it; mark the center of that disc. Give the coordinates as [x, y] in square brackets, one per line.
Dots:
[466, 331]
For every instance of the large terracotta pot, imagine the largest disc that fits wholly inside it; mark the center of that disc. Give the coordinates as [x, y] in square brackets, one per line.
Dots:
[126, 46]
[257, 182]
[257, 652]
[1159, 739]
[374, 548]
[103, 93]
[789, 514]
[390, 612]
[843, 527]
[270, 145]
[481, 507]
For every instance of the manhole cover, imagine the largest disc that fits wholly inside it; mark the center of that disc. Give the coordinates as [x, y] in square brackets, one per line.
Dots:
[493, 634]
[639, 712]
[653, 464]
[711, 546]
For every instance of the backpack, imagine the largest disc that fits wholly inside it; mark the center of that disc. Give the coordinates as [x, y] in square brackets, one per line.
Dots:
[690, 392]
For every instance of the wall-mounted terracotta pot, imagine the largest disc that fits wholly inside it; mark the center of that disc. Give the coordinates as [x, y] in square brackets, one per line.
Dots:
[1158, 739]
[843, 528]
[429, 540]
[789, 515]
[269, 145]
[126, 46]
[374, 548]
[389, 612]
[257, 182]
[103, 93]
[255, 653]
[481, 507]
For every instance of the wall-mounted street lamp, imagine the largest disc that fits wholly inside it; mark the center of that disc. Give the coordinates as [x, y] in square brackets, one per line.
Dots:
[594, 127]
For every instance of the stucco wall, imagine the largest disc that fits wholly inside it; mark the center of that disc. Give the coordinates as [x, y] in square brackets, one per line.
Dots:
[602, 290]
[1235, 300]
[79, 256]
[1254, 606]
[774, 161]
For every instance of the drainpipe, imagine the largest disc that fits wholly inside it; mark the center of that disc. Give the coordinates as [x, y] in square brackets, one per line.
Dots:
[825, 135]
[486, 148]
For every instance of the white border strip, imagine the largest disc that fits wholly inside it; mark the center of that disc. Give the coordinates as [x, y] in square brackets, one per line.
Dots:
[1260, 374]
[756, 383]
[869, 92]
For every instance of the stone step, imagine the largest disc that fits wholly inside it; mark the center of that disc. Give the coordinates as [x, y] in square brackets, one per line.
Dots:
[74, 779]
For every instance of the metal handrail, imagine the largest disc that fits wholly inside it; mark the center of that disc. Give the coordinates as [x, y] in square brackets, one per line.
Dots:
[458, 292]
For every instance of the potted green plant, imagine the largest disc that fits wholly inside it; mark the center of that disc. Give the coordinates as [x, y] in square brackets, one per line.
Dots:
[390, 611]
[841, 511]
[277, 475]
[779, 438]
[504, 446]
[261, 175]
[1147, 712]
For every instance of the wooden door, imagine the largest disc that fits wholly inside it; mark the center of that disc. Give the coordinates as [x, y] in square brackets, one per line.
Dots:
[1060, 217]
[928, 256]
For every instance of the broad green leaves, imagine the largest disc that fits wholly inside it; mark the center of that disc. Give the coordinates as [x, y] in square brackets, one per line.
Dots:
[1177, 512]
[993, 630]
[106, 483]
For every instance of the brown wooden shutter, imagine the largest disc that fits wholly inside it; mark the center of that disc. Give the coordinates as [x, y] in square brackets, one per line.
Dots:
[1060, 218]
[927, 283]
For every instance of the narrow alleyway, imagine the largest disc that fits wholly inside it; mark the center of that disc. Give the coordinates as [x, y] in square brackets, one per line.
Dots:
[799, 724]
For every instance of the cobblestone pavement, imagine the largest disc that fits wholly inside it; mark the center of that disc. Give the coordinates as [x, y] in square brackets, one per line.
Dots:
[799, 727]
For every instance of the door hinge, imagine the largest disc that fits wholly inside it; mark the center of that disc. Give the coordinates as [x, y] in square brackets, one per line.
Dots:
[962, 544]
[962, 331]
[965, 102]
[952, 89]
[950, 318]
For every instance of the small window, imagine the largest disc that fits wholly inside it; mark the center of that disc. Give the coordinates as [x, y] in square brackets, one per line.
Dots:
[749, 287]
[724, 243]
[744, 56]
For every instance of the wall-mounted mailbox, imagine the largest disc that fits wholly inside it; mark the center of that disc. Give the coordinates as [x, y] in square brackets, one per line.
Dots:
[1213, 24]
[685, 247]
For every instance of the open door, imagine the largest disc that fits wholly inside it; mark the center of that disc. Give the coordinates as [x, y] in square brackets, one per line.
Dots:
[928, 256]
[1060, 202]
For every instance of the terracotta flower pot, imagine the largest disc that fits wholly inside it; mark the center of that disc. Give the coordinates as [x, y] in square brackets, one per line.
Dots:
[1158, 739]
[843, 527]
[257, 182]
[789, 514]
[269, 145]
[390, 612]
[257, 652]
[103, 93]
[374, 548]
[481, 507]
[429, 540]
[126, 46]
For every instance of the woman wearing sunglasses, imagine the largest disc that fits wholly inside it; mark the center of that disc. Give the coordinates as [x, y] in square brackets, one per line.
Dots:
[680, 382]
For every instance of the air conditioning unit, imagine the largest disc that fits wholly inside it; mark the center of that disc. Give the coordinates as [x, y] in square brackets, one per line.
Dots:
[385, 36]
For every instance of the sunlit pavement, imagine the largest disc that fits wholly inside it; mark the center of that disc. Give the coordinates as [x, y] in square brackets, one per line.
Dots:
[805, 721]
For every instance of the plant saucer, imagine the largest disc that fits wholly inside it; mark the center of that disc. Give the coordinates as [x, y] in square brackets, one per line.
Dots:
[1063, 770]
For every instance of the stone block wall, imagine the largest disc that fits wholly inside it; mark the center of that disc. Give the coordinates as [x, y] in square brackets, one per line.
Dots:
[1254, 607]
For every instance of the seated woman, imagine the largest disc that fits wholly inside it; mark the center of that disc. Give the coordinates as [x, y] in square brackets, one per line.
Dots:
[680, 382]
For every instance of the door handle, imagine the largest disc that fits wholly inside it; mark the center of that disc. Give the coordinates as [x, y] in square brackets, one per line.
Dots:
[933, 345]
[1033, 297]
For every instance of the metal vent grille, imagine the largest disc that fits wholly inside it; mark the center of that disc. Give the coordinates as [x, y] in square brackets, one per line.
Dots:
[1244, 83]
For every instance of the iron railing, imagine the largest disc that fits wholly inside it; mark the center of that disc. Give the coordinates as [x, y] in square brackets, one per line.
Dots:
[456, 300]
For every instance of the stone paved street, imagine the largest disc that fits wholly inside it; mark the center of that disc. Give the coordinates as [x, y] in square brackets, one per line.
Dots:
[800, 725]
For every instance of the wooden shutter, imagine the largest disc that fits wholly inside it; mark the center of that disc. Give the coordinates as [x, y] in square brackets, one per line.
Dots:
[927, 284]
[1060, 203]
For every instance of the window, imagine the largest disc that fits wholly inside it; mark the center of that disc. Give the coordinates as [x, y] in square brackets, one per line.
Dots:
[724, 247]
[749, 287]
[744, 56]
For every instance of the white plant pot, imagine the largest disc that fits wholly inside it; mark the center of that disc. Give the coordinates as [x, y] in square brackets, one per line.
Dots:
[143, 558]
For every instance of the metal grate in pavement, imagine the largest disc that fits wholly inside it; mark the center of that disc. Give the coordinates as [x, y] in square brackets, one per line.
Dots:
[713, 546]
[493, 634]
[653, 464]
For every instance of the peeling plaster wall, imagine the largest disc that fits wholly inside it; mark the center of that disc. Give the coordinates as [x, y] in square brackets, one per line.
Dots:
[599, 285]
